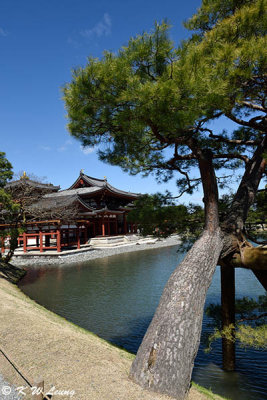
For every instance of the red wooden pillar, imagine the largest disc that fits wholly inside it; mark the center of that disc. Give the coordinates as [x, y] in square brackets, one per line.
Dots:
[41, 241]
[108, 226]
[103, 226]
[58, 240]
[78, 238]
[24, 242]
[2, 244]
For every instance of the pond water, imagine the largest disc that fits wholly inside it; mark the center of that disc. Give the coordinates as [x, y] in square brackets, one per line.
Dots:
[115, 297]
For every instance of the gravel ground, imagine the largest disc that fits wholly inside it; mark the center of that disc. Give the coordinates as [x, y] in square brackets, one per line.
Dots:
[92, 254]
[7, 391]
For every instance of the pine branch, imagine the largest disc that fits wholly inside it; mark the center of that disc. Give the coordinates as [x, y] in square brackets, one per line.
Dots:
[232, 156]
[157, 134]
[206, 119]
[222, 139]
[253, 106]
[252, 318]
[262, 242]
[249, 123]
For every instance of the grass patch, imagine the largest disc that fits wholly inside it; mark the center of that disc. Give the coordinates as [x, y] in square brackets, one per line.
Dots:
[207, 392]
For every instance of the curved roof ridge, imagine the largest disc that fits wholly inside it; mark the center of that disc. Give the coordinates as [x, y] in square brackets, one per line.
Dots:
[94, 179]
[101, 183]
[88, 179]
[112, 188]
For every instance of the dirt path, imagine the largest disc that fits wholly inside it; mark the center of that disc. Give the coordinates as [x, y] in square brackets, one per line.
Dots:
[66, 356]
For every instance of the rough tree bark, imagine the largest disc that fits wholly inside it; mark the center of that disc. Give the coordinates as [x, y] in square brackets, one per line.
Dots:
[262, 277]
[228, 315]
[165, 359]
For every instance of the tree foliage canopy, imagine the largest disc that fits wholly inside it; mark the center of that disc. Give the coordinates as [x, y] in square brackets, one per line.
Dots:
[158, 215]
[9, 209]
[5, 170]
[150, 104]
[257, 217]
[250, 325]
[150, 108]
[6, 174]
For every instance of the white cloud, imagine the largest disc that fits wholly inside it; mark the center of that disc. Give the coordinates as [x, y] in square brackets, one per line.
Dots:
[87, 150]
[3, 32]
[62, 148]
[102, 28]
[73, 42]
[45, 148]
[65, 146]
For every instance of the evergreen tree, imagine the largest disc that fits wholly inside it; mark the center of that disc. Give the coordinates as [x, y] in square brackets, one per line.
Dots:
[250, 325]
[8, 208]
[5, 170]
[149, 107]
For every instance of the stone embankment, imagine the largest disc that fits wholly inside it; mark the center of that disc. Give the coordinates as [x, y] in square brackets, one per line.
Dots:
[94, 252]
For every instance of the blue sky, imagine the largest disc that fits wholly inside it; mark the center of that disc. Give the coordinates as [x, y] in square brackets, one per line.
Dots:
[40, 42]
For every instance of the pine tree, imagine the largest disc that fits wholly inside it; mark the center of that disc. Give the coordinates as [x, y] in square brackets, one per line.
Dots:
[148, 109]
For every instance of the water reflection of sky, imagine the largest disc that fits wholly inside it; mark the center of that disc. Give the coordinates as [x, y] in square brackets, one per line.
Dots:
[116, 297]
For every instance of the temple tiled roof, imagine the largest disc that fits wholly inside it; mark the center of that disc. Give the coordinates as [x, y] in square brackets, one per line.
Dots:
[101, 184]
[54, 202]
[35, 184]
[48, 203]
[89, 180]
[79, 197]
[72, 192]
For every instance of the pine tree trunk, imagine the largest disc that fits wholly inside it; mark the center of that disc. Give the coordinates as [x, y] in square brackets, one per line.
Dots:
[262, 277]
[165, 359]
[228, 315]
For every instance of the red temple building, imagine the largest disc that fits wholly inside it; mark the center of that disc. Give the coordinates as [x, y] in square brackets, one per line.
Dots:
[60, 219]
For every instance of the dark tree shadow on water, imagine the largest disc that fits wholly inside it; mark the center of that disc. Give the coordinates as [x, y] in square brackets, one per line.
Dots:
[11, 273]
